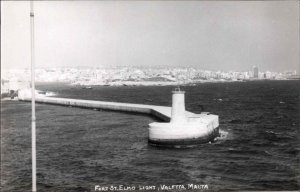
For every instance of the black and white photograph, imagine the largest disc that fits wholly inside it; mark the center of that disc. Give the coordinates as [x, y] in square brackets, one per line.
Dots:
[148, 96]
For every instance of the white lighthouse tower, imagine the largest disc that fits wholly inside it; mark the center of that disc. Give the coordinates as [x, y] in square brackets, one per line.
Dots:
[178, 106]
[184, 129]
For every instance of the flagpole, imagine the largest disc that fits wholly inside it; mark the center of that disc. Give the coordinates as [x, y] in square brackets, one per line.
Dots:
[33, 118]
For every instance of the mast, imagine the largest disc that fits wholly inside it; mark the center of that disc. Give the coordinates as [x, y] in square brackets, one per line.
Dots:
[33, 118]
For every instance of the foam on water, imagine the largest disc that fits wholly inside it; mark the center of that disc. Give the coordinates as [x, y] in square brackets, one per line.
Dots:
[50, 94]
[223, 135]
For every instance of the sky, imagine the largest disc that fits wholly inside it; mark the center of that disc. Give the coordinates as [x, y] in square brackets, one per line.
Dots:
[214, 35]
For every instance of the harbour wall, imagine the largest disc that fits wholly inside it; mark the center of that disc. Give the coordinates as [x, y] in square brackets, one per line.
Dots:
[161, 112]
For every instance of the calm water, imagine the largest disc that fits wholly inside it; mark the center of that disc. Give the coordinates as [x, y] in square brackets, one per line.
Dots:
[80, 148]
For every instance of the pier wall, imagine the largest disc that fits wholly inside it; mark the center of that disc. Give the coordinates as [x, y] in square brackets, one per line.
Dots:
[160, 115]
[156, 111]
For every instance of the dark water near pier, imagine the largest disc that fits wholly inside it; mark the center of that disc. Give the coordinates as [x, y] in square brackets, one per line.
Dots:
[80, 148]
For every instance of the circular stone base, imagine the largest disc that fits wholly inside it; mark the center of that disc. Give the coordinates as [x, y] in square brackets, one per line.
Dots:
[184, 143]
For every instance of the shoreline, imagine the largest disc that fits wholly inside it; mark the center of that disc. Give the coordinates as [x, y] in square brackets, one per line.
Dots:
[162, 83]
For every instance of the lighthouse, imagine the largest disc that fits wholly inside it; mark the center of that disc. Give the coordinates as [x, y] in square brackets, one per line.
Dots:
[178, 106]
[184, 129]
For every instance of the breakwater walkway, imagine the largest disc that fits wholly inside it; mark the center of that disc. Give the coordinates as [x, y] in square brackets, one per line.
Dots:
[161, 112]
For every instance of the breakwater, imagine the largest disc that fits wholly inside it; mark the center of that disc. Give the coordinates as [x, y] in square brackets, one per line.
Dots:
[161, 112]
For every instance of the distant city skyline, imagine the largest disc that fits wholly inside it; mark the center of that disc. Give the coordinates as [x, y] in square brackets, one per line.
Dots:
[218, 35]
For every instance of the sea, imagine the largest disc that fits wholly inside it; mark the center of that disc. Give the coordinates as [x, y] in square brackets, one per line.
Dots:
[85, 150]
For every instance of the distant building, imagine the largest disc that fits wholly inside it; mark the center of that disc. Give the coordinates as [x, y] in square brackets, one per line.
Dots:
[255, 71]
[4, 86]
[12, 85]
